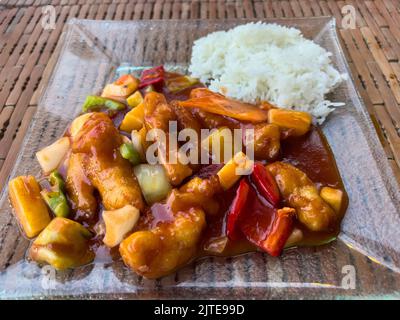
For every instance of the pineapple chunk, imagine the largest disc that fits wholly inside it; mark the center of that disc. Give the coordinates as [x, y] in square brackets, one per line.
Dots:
[118, 223]
[30, 209]
[78, 123]
[135, 99]
[63, 244]
[134, 119]
[231, 172]
[333, 197]
[216, 143]
[299, 122]
[51, 156]
[123, 87]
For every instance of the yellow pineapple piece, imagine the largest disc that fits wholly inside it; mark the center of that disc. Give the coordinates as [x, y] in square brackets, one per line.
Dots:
[135, 99]
[134, 119]
[333, 197]
[231, 172]
[30, 209]
[298, 121]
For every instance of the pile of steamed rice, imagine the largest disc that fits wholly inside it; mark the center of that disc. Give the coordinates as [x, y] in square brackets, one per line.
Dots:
[259, 61]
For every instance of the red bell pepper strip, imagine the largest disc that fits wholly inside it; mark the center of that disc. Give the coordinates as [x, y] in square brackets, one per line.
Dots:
[262, 224]
[151, 76]
[266, 184]
[281, 229]
[236, 210]
[255, 223]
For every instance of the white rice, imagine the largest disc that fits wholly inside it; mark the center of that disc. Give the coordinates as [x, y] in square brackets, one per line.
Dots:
[259, 61]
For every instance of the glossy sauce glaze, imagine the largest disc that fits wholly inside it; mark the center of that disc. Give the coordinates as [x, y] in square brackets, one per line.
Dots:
[310, 153]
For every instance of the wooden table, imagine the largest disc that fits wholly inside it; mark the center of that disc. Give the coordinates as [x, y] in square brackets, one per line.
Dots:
[26, 50]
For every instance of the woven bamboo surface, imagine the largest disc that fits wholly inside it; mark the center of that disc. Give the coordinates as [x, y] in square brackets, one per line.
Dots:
[28, 52]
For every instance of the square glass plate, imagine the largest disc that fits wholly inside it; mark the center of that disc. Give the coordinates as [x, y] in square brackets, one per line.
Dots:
[363, 262]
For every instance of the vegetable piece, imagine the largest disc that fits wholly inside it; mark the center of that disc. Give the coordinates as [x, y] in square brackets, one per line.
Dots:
[333, 197]
[266, 184]
[118, 223]
[280, 231]
[94, 102]
[231, 172]
[236, 210]
[63, 244]
[135, 99]
[153, 181]
[128, 152]
[57, 202]
[56, 181]
[122, 87]
[78, 123]
[30, 209]
[263, 225]
[152, 76]
[180, 83]
[217, 103]
[295, 237]
[134, 119]
[297, 121]
[51, 156]
[55, 198]
[138, 143]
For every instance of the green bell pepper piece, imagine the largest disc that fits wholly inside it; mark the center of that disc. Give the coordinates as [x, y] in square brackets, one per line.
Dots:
[93, 102]
[129, 152]
[56, 181]
[57, 202]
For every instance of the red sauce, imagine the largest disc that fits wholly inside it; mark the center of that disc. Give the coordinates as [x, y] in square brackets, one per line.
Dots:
[311, 154]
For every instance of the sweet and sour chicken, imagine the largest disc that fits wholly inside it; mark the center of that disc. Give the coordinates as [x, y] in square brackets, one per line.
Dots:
[100, 189]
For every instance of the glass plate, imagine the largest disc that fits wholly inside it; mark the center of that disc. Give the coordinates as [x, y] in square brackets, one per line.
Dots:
[363, 262]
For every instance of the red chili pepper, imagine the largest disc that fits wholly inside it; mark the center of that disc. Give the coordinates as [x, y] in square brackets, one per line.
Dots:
[151, 76]
[236, 210]
[266, 184]
[281, 229]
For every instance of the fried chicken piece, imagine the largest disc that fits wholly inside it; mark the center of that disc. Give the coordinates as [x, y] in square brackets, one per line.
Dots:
[97, 144]
[267, 141]
[172, 241]
[163, 249]
[79, 187]
[158, 114]
[113, 177]
[300, 193]
[185, 118]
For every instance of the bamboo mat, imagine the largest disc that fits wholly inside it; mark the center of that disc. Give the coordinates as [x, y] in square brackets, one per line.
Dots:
[28, 52]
